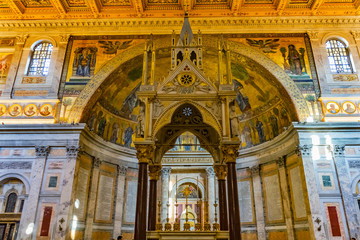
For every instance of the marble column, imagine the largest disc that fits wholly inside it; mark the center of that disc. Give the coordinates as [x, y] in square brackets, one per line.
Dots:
[144, 154]
[120, 195]
[65, 208]
[165, 173]
[259, 203]
[154, 173]
[211, 194]
[350, 206]
[315, 216]
[15, 63]
[230, 153]
[221, 171]
[28, 216]
[285, 192]
[90, 213]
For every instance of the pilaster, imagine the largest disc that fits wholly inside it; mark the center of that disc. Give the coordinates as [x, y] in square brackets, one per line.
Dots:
[211, 194]
[259, 203]
[165, 173]
[120, 195]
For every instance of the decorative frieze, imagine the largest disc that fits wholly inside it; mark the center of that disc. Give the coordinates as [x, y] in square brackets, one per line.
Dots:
[15, 165]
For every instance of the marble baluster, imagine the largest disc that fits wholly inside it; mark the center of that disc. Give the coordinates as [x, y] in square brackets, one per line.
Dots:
[120, 195]
[350, 206]
[315, 216]
[154, 173]
[65, 208]
[211, 195]
[28, 216]
[165, 172]
[230, 153]
[259, 203]
[90, 213]
[221, 171]
[144, 154]
[285, 193]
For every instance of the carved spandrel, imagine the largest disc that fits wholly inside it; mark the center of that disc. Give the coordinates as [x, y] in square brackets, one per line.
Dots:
[154, 172]
[304, 150]
[144, 152]
[220, 171]
[42, 151]
[121, 170]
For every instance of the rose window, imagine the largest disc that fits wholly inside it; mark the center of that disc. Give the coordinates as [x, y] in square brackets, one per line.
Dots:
[186, 80]
[187, 111]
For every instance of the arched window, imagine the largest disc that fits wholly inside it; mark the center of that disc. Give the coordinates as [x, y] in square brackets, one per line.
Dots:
[40, 59]
[11, 202]
[338, 55]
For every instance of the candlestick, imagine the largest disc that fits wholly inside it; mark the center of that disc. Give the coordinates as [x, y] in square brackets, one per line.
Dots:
[159, 225]
[197, 187]
[176, 224]
[176, 188]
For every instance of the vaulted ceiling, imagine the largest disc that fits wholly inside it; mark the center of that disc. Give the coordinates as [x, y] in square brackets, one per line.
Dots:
[75, 9]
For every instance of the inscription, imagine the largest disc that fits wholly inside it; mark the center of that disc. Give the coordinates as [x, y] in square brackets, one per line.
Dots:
[130, 203]
[15, 165]
[245, 202]
[81, 192]
[297, 191]
[354, 164]
[105, 198]
[30, 93]
[33, 80]
[273, 198]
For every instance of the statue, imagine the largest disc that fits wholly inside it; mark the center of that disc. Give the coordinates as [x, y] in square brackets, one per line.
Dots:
[242, 101]
[274, 125]
[234, 121]
[260, 129]
[157, 108]
[114, 133]
[128, 137]
[294, 60]
[131, 101]
[101, 128]
[141, 121]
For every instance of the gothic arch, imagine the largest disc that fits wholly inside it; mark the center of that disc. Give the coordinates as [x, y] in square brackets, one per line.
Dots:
[92, 87]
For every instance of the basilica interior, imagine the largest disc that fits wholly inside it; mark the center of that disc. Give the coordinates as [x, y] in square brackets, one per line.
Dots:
[179, 119]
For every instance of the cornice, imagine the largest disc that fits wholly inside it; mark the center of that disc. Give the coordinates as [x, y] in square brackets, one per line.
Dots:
[163, 25]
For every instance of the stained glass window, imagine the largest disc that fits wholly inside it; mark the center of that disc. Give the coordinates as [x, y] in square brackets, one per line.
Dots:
[40, 59]
[11, 202]
[338, 56]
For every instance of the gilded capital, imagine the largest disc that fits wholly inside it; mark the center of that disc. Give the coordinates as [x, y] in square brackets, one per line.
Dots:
[220, 171]
[154, 172]
[144, 152]
[230, 152]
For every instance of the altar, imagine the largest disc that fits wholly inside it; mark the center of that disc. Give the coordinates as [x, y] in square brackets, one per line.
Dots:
[198, 235]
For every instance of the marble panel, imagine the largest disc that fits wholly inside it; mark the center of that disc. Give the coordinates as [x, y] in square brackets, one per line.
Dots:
[81, 193]
[245, 201]
[130, 205]
[105, 199]
[274, 211]
[297, 193]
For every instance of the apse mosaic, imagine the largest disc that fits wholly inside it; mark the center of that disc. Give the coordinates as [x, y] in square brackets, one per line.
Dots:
[189, 189]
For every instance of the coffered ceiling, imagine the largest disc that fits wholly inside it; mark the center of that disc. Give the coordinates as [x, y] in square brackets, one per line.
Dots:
[106, 9]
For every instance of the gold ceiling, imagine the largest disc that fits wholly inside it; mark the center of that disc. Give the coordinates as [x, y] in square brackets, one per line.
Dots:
[106, 9]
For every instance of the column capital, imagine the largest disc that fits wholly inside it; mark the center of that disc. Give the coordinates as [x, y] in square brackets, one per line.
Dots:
[154, 172]
[121, 170]
[72, 151]
[280, 162]
[339, 150]
[210, 172]
[165, 172]
[304, 149]
[21, 39]
[42, 151]
[230, 152]
[313, 35]
[64, 38]
[97, 162]
[356, 35]
[144, 152]
[255, 169]
[220, 171]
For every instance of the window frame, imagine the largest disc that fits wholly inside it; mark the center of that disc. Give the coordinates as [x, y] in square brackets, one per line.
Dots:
[48, 52]
[7, 202]
[347, 68]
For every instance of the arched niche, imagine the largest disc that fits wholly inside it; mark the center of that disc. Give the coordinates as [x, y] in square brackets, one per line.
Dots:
[92, 91]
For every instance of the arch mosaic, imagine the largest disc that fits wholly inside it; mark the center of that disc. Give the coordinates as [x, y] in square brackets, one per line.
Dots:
[186, 180]
[271, 67]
